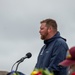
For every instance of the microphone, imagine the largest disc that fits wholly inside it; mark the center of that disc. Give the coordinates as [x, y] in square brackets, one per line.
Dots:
[28, 55]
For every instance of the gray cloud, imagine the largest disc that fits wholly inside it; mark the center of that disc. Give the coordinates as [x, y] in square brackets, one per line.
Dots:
[19, 28]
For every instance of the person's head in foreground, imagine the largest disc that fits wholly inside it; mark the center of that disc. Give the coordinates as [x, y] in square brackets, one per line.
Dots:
[70, 61]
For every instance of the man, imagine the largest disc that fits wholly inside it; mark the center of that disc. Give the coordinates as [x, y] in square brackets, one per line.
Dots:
[55, 48]
[70, 61]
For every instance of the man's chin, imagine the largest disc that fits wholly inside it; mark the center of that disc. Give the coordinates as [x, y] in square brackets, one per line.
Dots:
[42, 38]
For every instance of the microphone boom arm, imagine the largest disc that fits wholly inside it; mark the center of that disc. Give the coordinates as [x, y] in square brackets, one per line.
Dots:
[28, 55]
[17, 66]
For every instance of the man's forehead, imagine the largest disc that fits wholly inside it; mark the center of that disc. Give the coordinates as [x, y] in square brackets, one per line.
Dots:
[43, 25]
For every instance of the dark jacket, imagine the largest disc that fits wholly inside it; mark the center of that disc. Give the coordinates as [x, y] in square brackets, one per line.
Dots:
[53, 52]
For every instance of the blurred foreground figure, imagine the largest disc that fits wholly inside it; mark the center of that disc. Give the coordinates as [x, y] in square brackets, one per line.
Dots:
[70, 61]
[54, 49]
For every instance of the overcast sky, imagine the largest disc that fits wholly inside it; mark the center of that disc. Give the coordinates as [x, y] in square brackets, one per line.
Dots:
[19, 29]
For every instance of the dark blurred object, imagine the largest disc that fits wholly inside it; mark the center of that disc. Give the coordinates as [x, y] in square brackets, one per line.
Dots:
[15, 73]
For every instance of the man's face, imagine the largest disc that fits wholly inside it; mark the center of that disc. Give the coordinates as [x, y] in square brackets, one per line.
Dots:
[43, 31]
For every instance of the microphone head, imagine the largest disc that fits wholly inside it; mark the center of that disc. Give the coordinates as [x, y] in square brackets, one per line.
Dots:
[28, 55]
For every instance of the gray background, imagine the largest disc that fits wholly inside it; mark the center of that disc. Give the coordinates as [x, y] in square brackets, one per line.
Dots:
[19, 28]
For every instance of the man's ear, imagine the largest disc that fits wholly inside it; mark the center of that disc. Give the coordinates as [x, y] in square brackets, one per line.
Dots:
[49, 29]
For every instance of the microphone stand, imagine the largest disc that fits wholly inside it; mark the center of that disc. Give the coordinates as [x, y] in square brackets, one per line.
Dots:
[17, 66]
[21, 60]
[13, 66]
[28, 55]
[18, 62]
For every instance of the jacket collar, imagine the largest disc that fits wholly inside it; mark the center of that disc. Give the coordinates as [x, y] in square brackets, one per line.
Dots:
[57, 35]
